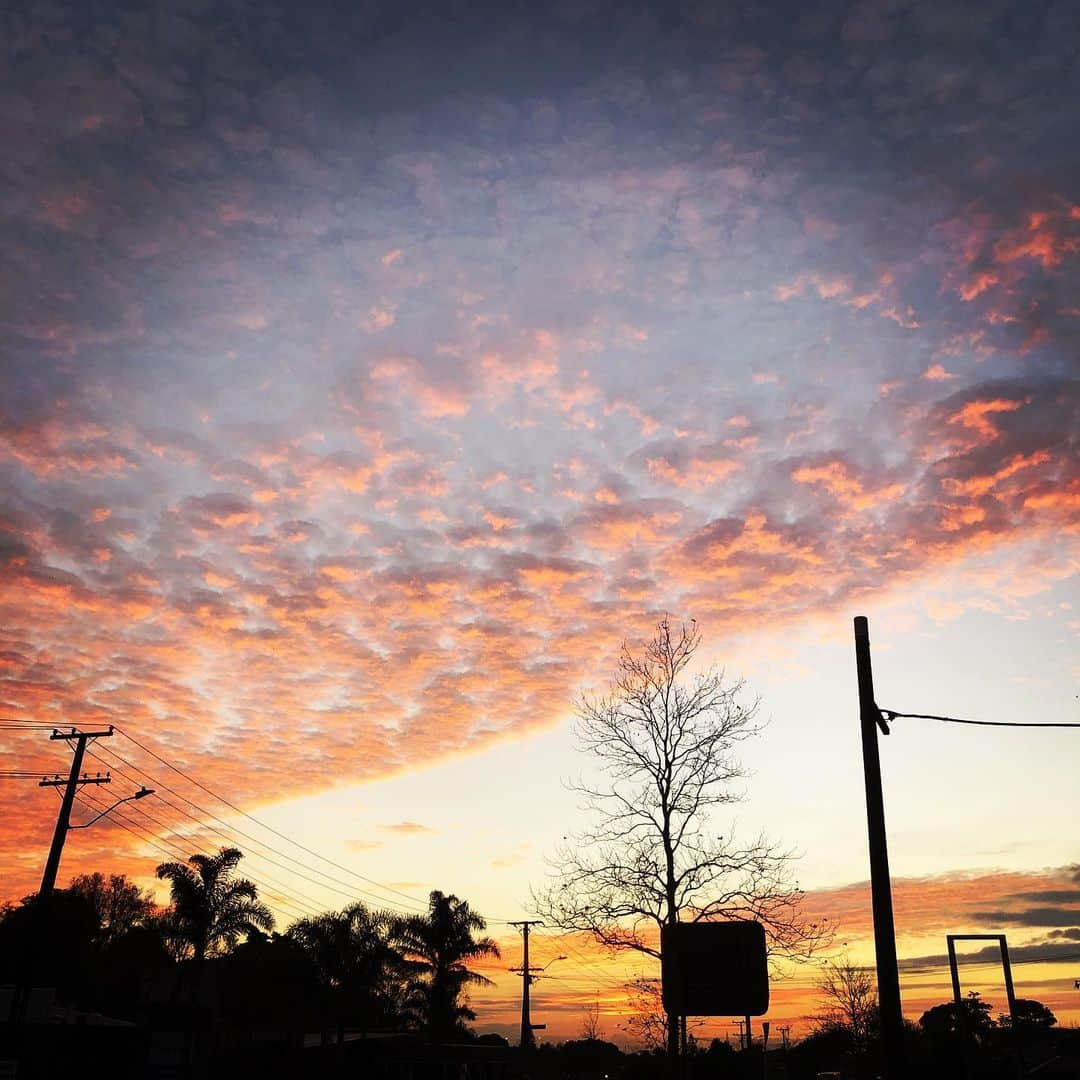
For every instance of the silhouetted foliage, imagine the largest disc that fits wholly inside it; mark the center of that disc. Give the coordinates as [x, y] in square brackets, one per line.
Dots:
[589, 1058]
[666, 741]
[210, 907]
[1031, 1016]
[268, 982]
[119, 905]
[360, 974]
[951, 1021]
[61, 928]
[828, 1049]
[126, 966]
[437, 946]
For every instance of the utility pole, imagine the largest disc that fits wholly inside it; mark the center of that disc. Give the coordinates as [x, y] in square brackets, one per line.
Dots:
[70, 786]
[527, 1026]
[20, 998]
[744, 1033]
[870, 719]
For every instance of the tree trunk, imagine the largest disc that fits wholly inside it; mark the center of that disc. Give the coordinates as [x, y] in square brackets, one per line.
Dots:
[672, 1046]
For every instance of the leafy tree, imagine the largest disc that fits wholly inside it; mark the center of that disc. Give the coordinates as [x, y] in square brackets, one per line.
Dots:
[57, 930]
[437, 946]
[210, 907]
[947, 1022]
[666, 741]
[589, 1058]
[357, 967]
[268, 981]
[1031, 1016]
[118, 904]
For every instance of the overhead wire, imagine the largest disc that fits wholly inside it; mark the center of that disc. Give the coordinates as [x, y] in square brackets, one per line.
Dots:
[338, 885]
[174, 851]
[269, 828]
[420, 905]
[892, 714]
[19, 725]
[140, 809]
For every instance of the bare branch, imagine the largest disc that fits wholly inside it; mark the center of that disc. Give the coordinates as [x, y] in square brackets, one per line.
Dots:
[666, 740]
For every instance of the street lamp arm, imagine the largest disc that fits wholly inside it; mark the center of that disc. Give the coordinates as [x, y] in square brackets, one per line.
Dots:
[140, 794]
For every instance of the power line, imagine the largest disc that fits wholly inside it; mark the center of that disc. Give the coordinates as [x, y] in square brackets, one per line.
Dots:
[316, 905]
[420, 904]
[891, 714]
[269, 828]
[174, 851]
[353, 890]
[925, 969]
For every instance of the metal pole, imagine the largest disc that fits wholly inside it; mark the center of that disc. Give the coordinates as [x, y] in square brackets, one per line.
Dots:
[1021, 1068]
[892, 1019]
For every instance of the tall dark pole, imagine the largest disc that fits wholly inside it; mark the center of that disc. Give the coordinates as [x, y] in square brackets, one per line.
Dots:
[24, 974]
[528, 1041]
[63, 819]
[870, 719]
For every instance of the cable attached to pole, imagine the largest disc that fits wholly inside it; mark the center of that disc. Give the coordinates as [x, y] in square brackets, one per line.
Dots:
[891, 714]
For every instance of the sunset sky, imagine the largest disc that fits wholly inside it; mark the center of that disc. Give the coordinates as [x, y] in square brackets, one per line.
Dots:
[371, 372]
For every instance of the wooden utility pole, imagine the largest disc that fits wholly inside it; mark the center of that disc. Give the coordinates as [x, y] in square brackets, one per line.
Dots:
[24, 974]
[527, 1026]
[70, 786]
[870, 719]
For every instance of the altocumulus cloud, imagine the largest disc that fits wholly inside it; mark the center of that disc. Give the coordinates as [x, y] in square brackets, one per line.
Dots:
[352, 399]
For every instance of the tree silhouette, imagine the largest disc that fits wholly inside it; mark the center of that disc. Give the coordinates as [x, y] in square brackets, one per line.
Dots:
[665, 740]
[1031, 1016]
[951, 1020]
[119, 905]
[210, 907]
[358, 969]
[646, 1022]
[437, 946]
[850, 1000]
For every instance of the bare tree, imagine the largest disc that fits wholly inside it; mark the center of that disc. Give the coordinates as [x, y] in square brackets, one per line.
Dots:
[590, 1027]
[646, 1023]
[665, 739]
[850, 996]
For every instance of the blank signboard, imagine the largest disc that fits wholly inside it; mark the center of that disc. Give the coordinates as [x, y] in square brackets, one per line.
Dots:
[715, 969]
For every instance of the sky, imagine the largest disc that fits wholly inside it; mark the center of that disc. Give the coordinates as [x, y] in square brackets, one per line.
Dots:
[370, 373]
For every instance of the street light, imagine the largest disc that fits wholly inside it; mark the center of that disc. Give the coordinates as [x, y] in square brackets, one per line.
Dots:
[140, 794]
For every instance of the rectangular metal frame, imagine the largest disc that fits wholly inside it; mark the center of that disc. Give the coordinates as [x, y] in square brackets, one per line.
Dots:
[952, 939]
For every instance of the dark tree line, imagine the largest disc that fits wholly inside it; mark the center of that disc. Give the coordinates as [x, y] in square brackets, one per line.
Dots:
[111, 949]
[947, 1040]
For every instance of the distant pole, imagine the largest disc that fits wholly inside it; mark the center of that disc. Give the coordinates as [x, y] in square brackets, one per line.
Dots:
[870, 719]
[528, 1041]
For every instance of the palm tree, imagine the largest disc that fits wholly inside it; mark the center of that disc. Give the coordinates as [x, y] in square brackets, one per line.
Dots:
[210, 907]
[357, 966]
[437, 946]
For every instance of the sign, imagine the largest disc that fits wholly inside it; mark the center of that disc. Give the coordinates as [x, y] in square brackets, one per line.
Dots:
[715, 969]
